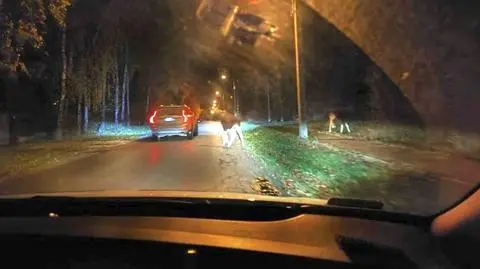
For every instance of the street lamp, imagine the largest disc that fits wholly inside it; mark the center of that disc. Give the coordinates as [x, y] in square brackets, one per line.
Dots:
[234, 87]
[217, 93]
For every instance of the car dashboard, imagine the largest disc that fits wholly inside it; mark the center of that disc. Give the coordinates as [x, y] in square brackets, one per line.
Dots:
[61, 252]
[303, 241]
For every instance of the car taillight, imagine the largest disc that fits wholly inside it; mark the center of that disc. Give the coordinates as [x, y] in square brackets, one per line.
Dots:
[152, 118]
[186, 116]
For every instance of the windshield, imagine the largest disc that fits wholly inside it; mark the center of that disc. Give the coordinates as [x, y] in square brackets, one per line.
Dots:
[279, 98]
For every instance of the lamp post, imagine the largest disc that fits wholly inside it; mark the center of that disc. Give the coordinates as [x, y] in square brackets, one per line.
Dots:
[302, 123]
[235, 100]
[269, 109]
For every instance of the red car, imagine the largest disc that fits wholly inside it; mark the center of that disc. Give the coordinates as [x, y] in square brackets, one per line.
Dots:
[173, 120]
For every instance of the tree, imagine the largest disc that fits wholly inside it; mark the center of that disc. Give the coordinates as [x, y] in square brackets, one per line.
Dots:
[22, 24]
[22, 27]
[58, 10]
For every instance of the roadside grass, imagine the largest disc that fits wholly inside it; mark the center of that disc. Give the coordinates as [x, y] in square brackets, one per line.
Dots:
[317, 168]
[302, 168]
[435, 139]
[44, 153]
[382, 132]
[114, 130]
[39, 155]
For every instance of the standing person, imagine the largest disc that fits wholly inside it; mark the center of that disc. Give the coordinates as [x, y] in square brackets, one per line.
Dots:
[231, 129]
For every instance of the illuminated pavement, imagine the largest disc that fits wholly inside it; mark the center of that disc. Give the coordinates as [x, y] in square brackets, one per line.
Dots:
[201, 164]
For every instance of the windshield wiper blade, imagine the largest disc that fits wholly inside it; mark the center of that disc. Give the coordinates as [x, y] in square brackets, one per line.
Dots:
[336, 201]
[69, 206]
[355, 203]
[123, 199]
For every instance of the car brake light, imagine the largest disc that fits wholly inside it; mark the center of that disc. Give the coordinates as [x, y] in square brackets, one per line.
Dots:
[152, 118]
[186, 116]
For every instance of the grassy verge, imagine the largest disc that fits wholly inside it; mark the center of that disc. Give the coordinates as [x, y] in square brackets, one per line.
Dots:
[35, 156]
[303, 169]
[443, 140]
[383, 132]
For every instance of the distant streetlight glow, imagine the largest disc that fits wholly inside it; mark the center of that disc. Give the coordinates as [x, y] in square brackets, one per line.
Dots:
[217, 93]
[224, 77]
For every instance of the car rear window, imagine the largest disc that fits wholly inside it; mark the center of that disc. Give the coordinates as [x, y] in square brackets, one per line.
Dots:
[170, 111]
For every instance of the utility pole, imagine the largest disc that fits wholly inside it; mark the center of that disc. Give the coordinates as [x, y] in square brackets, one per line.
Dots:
[302, 123]
[235, 100]
[269, 110]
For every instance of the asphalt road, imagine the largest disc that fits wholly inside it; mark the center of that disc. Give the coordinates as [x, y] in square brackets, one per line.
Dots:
[201, 164]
